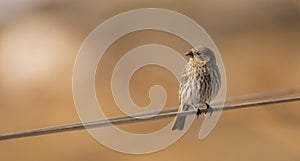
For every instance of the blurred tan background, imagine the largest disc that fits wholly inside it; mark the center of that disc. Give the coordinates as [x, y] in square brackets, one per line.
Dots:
[259, 42]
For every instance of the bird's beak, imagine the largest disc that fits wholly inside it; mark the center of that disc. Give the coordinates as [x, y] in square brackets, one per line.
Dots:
[189, 54]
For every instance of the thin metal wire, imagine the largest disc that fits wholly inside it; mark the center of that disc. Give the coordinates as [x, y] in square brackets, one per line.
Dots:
[251, 97]
[264, 95]
[136, 118]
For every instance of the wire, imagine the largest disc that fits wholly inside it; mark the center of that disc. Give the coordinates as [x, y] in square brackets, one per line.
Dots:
[251, 97]
[135, 118]
[265, 95]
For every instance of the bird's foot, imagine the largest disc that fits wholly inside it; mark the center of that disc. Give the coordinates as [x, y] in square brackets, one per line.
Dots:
[209, 110]
[198, 112]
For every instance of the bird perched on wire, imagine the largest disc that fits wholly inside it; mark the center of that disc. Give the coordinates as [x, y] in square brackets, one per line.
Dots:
[200, 83]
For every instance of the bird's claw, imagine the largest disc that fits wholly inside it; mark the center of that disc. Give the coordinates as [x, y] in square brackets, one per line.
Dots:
[198, 112]
[209, 110]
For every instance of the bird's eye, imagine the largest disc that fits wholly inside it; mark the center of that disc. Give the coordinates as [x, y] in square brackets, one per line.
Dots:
[198, 53]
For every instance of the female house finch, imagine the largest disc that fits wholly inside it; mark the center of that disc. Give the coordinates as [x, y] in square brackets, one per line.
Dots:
[200, 82]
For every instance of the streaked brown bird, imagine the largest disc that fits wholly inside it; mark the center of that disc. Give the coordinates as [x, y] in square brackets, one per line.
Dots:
[200, 83]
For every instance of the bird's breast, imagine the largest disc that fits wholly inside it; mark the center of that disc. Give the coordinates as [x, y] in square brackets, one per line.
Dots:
[191, 90]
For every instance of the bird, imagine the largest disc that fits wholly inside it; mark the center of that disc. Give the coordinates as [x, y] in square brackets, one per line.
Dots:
[199, 84]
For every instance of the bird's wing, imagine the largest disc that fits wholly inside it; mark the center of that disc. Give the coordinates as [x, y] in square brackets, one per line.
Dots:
[183, 80]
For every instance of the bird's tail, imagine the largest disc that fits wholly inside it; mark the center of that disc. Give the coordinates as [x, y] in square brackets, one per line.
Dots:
[179, 123]
[180, 120]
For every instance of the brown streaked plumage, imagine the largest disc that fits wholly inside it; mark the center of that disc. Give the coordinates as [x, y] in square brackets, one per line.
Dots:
[200, 82]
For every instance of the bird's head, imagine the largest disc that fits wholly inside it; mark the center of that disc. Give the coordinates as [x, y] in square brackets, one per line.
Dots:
[202, 54]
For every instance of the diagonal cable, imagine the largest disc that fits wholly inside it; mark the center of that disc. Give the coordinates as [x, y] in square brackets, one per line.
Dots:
[135, 118]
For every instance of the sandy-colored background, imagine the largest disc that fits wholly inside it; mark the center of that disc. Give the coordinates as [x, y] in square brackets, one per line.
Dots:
[259, 42]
